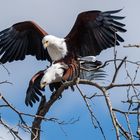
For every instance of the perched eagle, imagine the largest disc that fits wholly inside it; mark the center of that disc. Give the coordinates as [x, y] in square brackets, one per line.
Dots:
[59, 72]
[92, 32]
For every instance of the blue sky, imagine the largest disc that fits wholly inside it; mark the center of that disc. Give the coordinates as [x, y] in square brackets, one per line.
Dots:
[57, 18]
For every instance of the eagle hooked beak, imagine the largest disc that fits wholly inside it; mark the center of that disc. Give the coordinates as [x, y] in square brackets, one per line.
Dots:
[43, 84]
[46, 44]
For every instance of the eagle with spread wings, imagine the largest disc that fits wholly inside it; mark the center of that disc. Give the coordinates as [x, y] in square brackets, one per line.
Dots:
[93, 32]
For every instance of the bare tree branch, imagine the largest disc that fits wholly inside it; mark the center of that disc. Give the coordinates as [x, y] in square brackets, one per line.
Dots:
[132, 102]
[131, 46]
[11, 130]
[93, 117]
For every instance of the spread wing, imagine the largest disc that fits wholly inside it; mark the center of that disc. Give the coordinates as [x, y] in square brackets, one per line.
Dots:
[24, 38]
[95, 31]
[34, 89]
[92, 70]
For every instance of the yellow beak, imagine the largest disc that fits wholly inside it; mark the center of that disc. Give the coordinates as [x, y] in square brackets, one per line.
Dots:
[46, 44]
[42, 85]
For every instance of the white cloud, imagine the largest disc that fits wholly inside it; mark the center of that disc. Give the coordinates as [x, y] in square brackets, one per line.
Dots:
[5, 134]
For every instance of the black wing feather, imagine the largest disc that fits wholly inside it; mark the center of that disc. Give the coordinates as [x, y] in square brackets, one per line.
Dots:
[111, 12]
[34, 89]
[95, 31]
[108, 37]
[24, 38]
[95, 74]
[6, 46]
[102, 38]
[19, 52]
[8, 54]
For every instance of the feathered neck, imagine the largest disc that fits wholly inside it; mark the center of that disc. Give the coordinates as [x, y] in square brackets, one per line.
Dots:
[56, 47]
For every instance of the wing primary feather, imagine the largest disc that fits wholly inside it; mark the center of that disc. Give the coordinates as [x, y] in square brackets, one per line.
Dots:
[22, 51]
[115, 17]
[35, 96]
[117, 28]
[32, 98]
[108, 32]
[91, 40]
[119, 38]
[117, 23]
[15, 52]
[112, 11]
[113, 22]
[112, 41]
[108, 36]
[6, 46]
[102, 39]
[7, 55]
[4, 40]
[25, 46]
[30, 102]
[38, 91]
[98, 39]
[5, 33]
[11, 37]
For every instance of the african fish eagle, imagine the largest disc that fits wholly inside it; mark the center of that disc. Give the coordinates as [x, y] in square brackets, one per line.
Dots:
[56, 74]
[92, 32]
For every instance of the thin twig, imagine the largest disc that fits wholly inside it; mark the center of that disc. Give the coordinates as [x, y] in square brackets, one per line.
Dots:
[11, 130]
[5, 68]
[91, 113]
[117, 70]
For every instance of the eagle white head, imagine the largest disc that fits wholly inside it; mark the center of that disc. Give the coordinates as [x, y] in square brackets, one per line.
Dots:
[56, 47]
[53, 74]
